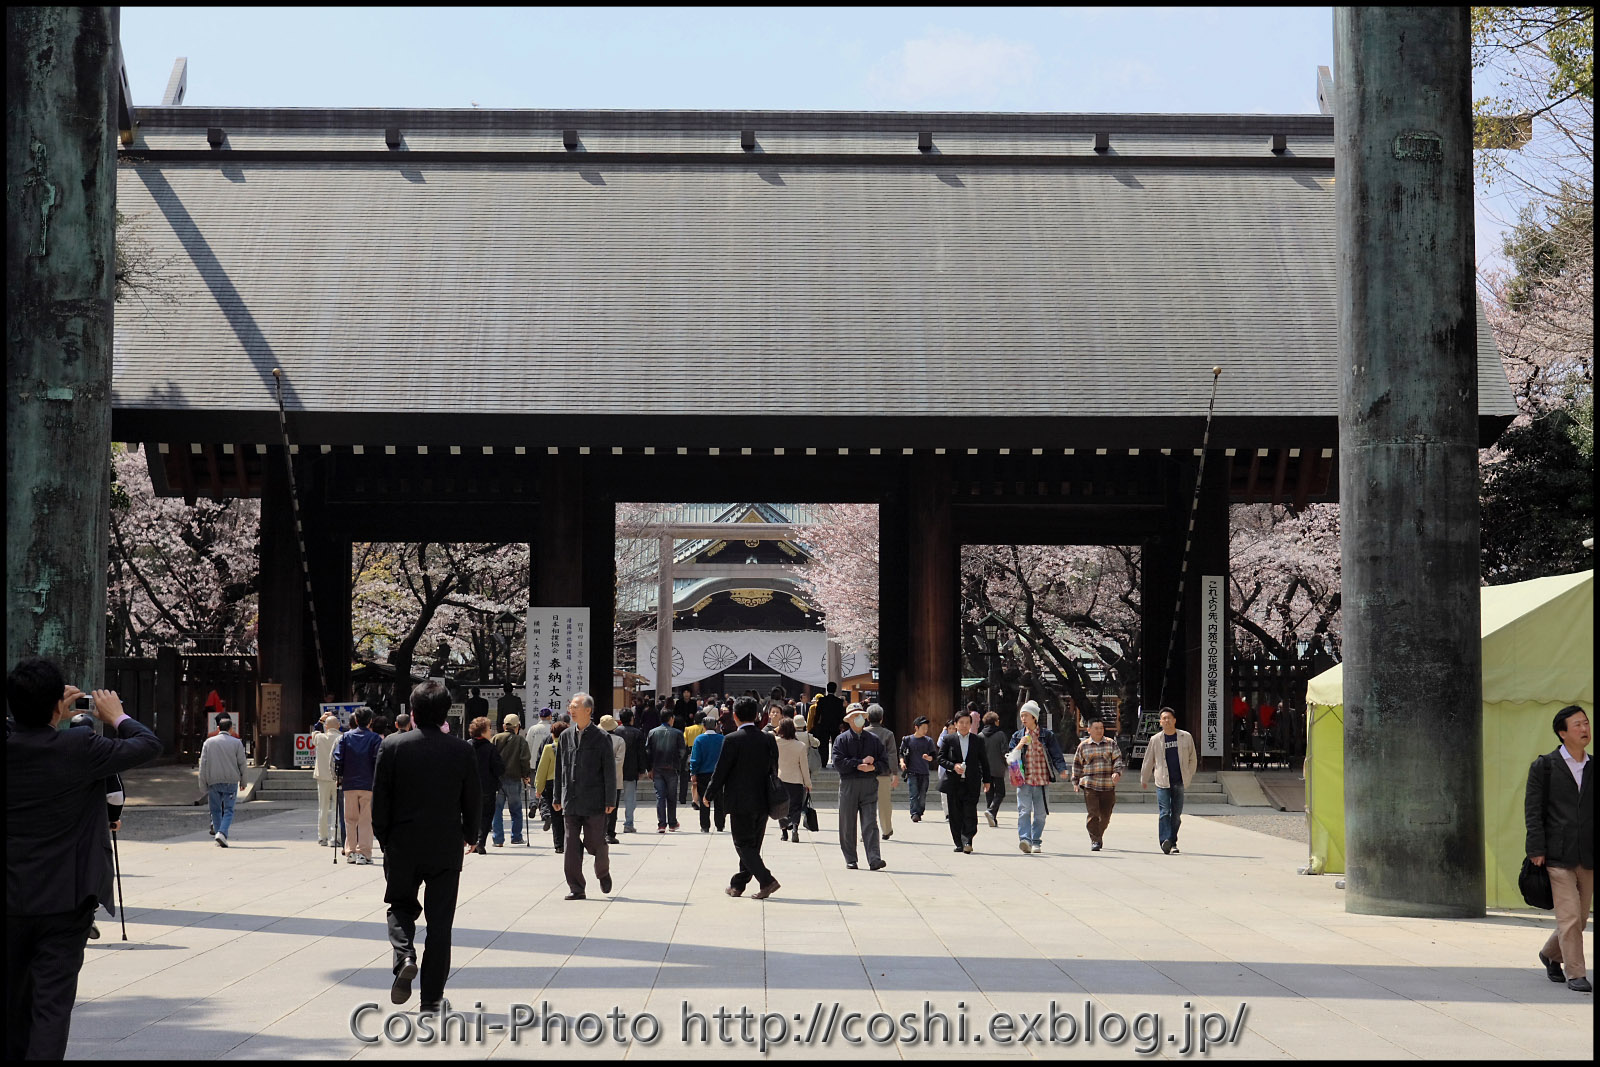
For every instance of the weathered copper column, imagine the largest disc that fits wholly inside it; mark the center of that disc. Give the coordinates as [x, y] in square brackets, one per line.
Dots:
[1408, 481]
[61, 181]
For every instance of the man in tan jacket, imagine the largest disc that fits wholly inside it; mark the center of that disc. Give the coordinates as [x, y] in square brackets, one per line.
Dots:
[1169, 759]
[322, 743]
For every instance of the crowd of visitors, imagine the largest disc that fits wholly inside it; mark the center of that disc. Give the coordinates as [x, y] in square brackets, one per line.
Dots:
[428, 799]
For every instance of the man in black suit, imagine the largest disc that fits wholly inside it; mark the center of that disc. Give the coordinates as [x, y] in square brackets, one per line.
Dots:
[425, 803]
[58, 847]
[964, 759]
[748, 760]
[830, 716]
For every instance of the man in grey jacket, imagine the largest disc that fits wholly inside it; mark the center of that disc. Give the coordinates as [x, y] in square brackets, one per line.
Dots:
[886, 773]
[585, 793]
[221, 770]
[1169, 761]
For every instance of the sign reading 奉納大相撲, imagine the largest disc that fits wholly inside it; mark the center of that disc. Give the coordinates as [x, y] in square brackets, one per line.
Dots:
[558, 656]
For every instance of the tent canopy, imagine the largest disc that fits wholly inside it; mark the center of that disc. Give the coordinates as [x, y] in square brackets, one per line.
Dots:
[1538, 656]
[1538, 644]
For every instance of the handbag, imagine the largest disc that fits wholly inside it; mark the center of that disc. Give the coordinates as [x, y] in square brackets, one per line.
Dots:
[777, 797]
[810, 815]
[1534, 881]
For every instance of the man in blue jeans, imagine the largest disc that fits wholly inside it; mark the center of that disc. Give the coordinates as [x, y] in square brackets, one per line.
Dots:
[1169, 761]
[919, 754]
[221, 770]
[518, 761]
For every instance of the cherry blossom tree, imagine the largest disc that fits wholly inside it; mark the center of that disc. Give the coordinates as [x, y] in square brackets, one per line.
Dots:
[1285, 578]
[178, 575]
[842, 577]
[1062, 610]
[436, 599]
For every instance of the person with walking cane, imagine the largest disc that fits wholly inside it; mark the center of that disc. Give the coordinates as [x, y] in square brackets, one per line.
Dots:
[322, 742]
[115, 797]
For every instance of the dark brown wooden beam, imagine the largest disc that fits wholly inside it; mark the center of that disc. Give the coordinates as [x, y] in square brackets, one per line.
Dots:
[1279, 475]
[933, 573]
[213, 472]
[1302, 488]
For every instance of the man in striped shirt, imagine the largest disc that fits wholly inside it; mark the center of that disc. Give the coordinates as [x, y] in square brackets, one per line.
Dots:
[1096, 768]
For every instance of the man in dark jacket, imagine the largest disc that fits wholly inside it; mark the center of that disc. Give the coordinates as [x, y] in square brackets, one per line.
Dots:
[745, 766]
[919, 755]
[633, 764]
[1559, 813]
[830, 716]
[425, 804]
[355, 757]
[490, 771]
[58, 847]
[994, 750]
[964, 757]
[664, 753]
[585, 793]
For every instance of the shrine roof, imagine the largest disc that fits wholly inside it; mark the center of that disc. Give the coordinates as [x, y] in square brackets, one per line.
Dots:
[599, 278]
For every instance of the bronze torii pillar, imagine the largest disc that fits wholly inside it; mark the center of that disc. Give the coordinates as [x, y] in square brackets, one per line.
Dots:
[1408, 482]
[61, 180]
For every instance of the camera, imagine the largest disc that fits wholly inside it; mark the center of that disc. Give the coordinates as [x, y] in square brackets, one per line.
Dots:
[83, 704]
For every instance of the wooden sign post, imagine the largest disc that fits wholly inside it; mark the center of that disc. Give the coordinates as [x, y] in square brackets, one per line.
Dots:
[270, 719]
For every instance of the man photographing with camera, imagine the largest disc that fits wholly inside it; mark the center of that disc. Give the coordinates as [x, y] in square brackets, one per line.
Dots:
[58, 846]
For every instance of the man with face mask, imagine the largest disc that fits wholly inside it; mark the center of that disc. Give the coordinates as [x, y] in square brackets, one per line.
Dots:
[857, 755]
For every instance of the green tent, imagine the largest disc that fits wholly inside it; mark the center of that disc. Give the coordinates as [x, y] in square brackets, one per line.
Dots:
[1538, 657]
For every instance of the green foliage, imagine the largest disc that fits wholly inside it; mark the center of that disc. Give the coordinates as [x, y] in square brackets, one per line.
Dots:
[1562, 37]
[1538, 500]
[120, 501]
[1549, 240]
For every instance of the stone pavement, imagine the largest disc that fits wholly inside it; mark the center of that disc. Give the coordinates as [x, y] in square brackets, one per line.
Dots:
[264, 950]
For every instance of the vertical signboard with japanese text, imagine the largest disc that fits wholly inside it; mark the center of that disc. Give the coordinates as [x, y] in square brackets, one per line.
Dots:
[1213, 667]
[558, 656]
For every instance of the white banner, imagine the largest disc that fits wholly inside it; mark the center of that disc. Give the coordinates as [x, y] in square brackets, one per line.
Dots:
[798, 654]
[558, 657]
[1213, 680]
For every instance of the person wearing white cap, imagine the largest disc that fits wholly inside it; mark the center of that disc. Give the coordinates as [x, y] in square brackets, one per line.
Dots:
[857, 756]
[1035, 749]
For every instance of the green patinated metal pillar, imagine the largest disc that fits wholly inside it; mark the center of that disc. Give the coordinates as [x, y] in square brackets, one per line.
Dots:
[61, 177]
[1408, 481]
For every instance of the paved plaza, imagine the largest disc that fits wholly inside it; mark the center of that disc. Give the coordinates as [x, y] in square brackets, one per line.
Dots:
[265, 949]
